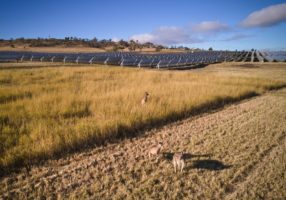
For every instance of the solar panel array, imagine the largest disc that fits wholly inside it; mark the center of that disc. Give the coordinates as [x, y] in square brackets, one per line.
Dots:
[169, 61]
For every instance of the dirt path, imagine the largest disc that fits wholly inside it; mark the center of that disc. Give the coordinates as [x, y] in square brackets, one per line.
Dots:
[236, 153]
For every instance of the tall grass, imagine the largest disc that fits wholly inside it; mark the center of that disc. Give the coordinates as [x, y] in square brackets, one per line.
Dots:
[50, 111]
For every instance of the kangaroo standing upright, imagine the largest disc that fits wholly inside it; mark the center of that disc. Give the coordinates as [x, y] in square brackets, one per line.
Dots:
[178, 161]
[145, 98]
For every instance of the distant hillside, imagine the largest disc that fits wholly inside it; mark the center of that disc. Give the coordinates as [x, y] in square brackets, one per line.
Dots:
[80, 44]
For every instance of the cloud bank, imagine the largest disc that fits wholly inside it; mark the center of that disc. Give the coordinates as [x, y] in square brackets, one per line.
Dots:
[171, 35]
[203, 31]
[210, 27]
[266, 17]
[166, 35]
[236, 37]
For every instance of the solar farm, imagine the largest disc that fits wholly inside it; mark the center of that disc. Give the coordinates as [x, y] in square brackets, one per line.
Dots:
[135, 100]
[161, 61]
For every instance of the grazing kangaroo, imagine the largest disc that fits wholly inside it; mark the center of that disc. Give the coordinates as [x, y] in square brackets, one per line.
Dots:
[155, 150]
[178, 161]
[145, 98]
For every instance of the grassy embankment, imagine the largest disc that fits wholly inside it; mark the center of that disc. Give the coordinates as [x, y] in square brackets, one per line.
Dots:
[50, 111]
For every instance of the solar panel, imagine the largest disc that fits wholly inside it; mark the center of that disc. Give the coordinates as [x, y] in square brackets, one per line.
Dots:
[136, 59]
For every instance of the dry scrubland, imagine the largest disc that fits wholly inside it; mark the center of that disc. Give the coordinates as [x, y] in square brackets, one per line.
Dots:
[238, 152]
[53, 110]
[58, 49]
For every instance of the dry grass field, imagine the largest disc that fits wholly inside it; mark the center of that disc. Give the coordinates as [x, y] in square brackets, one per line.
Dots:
[58, 49]
[233, 153]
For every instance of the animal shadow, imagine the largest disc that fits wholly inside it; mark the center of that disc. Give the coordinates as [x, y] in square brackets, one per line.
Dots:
[207, 164]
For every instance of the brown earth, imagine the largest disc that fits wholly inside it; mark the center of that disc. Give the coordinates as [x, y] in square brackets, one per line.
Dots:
[238, 152]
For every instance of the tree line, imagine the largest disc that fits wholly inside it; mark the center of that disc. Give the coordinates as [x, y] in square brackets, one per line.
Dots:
[80, 42]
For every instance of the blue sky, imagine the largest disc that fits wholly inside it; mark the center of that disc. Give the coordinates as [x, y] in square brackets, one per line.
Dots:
[224, 24]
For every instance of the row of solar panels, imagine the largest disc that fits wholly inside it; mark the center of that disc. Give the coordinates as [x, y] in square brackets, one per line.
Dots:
[131, 59]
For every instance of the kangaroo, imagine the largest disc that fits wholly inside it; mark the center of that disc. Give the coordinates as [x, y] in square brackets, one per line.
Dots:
[178, 161]
[145, 98]
[155, 150]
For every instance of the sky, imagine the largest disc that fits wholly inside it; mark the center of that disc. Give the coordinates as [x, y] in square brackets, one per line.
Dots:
[221, 24]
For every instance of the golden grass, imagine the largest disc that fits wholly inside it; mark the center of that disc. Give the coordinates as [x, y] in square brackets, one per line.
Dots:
[49, 111]
[57, 49]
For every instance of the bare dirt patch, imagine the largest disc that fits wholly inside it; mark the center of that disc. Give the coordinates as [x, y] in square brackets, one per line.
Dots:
[235, 153]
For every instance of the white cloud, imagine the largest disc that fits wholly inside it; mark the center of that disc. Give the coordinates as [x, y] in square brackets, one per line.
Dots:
[166, 35]
[239, 36]
[268, 16]
[115, 39]
[210, 27]
[172, 35]
[143, 38]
